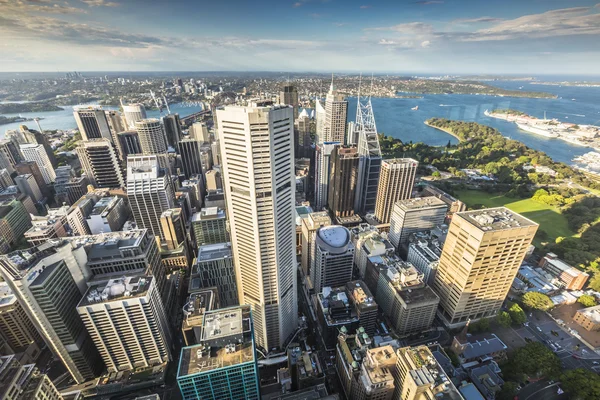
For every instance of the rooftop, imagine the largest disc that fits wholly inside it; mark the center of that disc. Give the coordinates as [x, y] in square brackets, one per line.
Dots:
[428, 372]
[592, 313]
[495, 219]
[420, 203]
[479, 346]
[209, 213]
[7, 297]
[226, 341]
[215, 251]
[334, 236]
[337, 307]
[360, 294]
[379, 364]
[135, 285]
[104, 205]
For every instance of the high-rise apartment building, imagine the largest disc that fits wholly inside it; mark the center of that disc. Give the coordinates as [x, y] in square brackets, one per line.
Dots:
[343, 180]
[133, 113]
[129, 142]
[48, 282]
[92, 123]
[101, 163]
[28, 185]
[310, 224]
[152, 136]
[396, 182]
[336, 111]
[223, 365]
[214, 268]
[323, 173]
[414, 215]
[209, 226]
[173, 226]
[258, 169]
[190, 152]
[172, 124]
[15, 325]
[289, 97]
[480, 259]
[149, 190]
[333, 257]
[126, 319]
[37, 153]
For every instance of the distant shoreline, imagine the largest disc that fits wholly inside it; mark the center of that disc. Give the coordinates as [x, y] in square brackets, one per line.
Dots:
[448, 131]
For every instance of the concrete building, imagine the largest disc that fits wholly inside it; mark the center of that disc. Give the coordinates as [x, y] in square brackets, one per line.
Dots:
[126, 319]
[37, 153]
[190, 152]
[343, 180]
[194, 186]
[213, 180]
[323, 173]
[227, 350]
[5, 179]
[336, 111]
[14, 221]
[48, 282]
[414, 215]
[129, 142]
[19, 381]
[28, 185]
[351, 350]
[101, 163]
[209, 226]
[150, 192]
[302, 140]
[454, 205]
[570, 278]
[333, 257]
[198, 303]
[588, 318]
[424, 251]
[288, 96]
[133, 113]
[310, 225]
[376, 379]
[92, 123]
[50, 226]
[480, 259]
[418, 376]
[199, 131]
[369, 242]
[214, 268]
[396, 182]
[16, 327]
[10, 154]
[405, 299]
[67, 187]
[152, 136]
[108, 215]
[173, 226]
[31, 167]
[172, 124]
[258, 170]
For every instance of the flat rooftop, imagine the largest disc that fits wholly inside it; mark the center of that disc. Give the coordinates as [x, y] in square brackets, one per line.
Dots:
[495, 219]
[592, 313]
[7, 297]
[429, 372]
[135, 285]
[419, 203]
[215, 251]
[104, 204]
[209, 213]
[361, 295]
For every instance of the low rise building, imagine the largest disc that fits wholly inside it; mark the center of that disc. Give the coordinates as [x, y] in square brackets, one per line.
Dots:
[487, 381]
[536, 280]
[108, 215]
[473, 350]
[568, 277]
[50, 226]
[588, 318]
[198, 303]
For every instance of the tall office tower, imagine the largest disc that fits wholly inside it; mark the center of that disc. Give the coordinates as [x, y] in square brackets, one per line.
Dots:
[150, 192]
[173, 226]
[320, 121]
[482, 254]
[414, 215]
[37, 153]
[6, 163]
[214, 268]
[351, 134]
[5, 179]
[68, 188]
[302, 135]
[418, 376]
[289, 97]
[194, 186]
[31, 167]
[370, 157]
[223, 365]
[116, 122]
[310, 224]
[37, 137]
[209, 226]
[333, 259]
[152, 136]
[206, 160]
[172, 124]
[126, 319]
[213, 180]
[134, 113]
[16, 136]
[15, 325]
[129, 143]
[189, 149]
[11, 152]
[323, 173]
[216, 152]
[199, 132]
[14, 221]
[27, 184]
[256, 147]
[101, 164]
[336, 112]
[395, 183]
[48, 285]
[92, 123]
[20, 381]
[342, 181]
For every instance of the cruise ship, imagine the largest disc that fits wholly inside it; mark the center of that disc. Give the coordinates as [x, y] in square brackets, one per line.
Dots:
[536, 130]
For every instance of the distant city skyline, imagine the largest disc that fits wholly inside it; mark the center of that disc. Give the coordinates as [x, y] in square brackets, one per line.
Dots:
[439, 36]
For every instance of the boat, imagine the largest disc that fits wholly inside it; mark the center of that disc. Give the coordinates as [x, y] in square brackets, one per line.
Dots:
[415, 108]
[536, 130]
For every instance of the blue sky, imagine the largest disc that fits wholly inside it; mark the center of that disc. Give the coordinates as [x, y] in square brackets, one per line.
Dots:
[401, 36]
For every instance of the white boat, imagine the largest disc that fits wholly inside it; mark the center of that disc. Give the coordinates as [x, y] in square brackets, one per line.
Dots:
[536, 130]
[415, 108]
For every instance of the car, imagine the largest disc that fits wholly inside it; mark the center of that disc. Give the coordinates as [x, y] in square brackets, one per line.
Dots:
[595, 363]
[554, 333]
[538, 328]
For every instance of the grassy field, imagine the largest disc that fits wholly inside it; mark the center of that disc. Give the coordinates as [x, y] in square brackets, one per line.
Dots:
[549, 218]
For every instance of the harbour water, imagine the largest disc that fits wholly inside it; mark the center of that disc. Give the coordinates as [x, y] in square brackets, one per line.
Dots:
[394, 117]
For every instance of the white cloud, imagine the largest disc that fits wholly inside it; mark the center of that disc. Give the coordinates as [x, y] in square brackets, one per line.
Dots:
[425, 44]
[100, 3]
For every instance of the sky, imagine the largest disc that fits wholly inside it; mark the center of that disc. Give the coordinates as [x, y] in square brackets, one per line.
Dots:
[528, 37]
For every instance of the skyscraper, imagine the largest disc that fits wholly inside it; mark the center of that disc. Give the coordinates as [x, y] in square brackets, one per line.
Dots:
[14, 221]
[258, 169]
[289, 97]
[310, 224]
[133, 113]
[189, 149]
[152, 136]
[48, 286]
[100, 163]
[209, 226]
[37, 137]
[320, 121]
[15, 325]
[336, 111]
[214, 268]
[302, 135]
[126, 319]
[323, 173]
[199, 132]
[480, 259]
[129, 143]
[92, 123]
[31, 167]
[150, 192]
[333, 257]
[172, 124]
[11, 152]
[173, 226]
[342, 181]
[396, 182]
[37, 153]
[414, 215]
[27, 184]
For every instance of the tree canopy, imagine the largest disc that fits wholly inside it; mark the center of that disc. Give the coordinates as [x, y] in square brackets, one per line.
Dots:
[581, 384]
[537, 301]
[587, 301]
[534, 360]
[503, 319]
[517, 315]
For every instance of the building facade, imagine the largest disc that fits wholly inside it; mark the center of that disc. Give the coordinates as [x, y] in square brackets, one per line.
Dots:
[395, 183]
[101, 164]
[333, 257]
[414, 215]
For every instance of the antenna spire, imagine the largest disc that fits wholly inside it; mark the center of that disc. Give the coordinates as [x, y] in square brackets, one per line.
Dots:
[331, 87]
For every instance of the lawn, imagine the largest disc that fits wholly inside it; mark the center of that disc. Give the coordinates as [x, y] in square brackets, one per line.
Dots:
[549, 218]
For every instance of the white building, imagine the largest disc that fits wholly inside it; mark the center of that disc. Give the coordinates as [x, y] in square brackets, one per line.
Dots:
[258, 170]
[334, 257]
[322, 173]
[37, 154]
[134, 113]
[336, 112]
